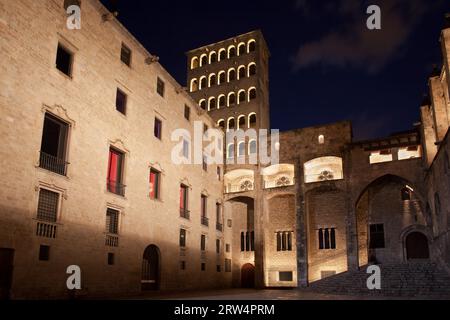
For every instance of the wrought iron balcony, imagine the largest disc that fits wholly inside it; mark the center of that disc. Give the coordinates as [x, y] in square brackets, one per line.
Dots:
[112, 240]
[52, 163]
[184, 213]
[205, 221]
[219, 226]
[115, 187]
[46, 229]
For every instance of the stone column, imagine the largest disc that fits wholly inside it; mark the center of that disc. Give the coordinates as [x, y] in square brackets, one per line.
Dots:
[259, 230]
[301, 228]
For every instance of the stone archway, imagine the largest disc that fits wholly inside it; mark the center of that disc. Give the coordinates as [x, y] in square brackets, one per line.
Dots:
[151, 261]
[416, 246]
[248, 276]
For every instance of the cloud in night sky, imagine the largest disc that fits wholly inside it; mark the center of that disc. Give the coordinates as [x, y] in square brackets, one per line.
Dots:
[352, 44]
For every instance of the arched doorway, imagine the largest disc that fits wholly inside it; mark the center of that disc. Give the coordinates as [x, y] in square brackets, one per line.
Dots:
[416, 244]
[248, 276]
[151, 268]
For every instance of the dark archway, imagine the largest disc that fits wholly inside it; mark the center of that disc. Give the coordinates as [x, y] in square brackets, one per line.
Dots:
[416, 244]
[6, 272]
[151, 268]
[248, 276]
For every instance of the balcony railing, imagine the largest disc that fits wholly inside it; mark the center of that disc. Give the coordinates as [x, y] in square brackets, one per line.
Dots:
[205, 221]
[219, 226]
[112, 240]
[52, 163]
[184, 213]
[45, 229]
[115, 187]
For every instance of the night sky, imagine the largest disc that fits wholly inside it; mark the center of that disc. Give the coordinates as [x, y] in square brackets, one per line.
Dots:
[325, 65]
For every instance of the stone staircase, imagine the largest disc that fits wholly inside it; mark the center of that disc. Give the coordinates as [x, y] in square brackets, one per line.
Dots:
[412, 279]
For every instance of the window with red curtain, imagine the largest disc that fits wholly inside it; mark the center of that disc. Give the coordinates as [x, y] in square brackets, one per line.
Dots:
[114, 182]
[154, 183]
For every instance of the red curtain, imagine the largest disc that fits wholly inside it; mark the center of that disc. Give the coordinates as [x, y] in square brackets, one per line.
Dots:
[152, 185]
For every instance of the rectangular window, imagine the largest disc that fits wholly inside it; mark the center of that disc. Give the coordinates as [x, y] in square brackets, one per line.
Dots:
[219, 225]
[187, 112]
[218, 268]
[182, 238]
[160, 87]
[284, 241]
[158, 128]
[64, 60]
[125, 55]
[217, 245]
[184, 212]
[112, 221]
[115, 168]
[110, 258]
[121, 101]
[155, 177]
[203, 242]
[285, 275]
[186, 149]
[44, 253]
[204, 202]
[203, 266]
[218, 171]
[227, 265]
[48, 205]
[327, 238]
[183, 265]
[53, 145]
[376, 236]
[68, 3]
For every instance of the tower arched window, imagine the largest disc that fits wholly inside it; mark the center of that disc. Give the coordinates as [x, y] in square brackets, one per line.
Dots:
[241, 122]
[211, 103]
[231, 124]
[241, 72]
[252, 147]
[203, 60]
[222, 54]
[221, 124]
[251, 69]
[241, 96]
[194, 85]
[252, 120]
[241, 149]
[406, 194]
[202, 83]
[230, 151]
[231, 51]
[222, 101]
[194, 63]
[231, 99]
[251, 44]
[212, 57]
[221, 77]
[251, 94]
[212, 79]
[231, 74]
[241, 49]
[202, 104]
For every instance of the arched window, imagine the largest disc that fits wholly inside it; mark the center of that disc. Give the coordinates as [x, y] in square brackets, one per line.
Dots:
[323, 169]
[221, 124]
[221, 78]
[202, 83]
[212, 57]
[251, 44]
[252, 120]
[222, 101]
[252, 147]
[241, 149]
[437, 204]
[231, 99]
[202, 104]
[406, 194]
[241, 48]
[211, 103]
[194, 63]
[231, 51]
[241, 72]
[241, 122]
[230, 151]
[241, 96]
[251, 94]
[203, 60]
[222, 54]
[251, 69]
[231, 124]
[231, 74]
[194, 85]
[321, 139]
[212, 79]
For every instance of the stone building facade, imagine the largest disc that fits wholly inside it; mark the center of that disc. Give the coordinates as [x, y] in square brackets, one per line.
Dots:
[88, 176]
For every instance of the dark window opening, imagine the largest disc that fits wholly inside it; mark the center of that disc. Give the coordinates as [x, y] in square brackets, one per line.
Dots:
[183, 265]
[110, 258]
[222, 78]
[44, 253]
[217, 245]
[202, 104]
[157, 130]
[252, 70]
[232, 52]
[327, 238]
[182, 238]
[64, 60]
[241, 73]
[184, 212]
[112, 221]
[406, 194]
[252, 121]
[48, 205]
[285, 275]
[218, 268]
[68, 3]
[203, 242]
[125, 55]
[160, 87]
[203, 266]
[252, 94]
[121, 101]
[187, 112]
[53, 145]
[284, 241]
[222, 55]
[376, 237]
[232, 75]
[241, 49]
[252, 46]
